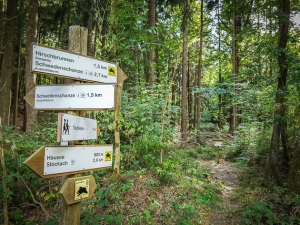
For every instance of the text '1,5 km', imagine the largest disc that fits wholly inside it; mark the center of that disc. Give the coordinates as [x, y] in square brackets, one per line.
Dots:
[60, 63]
[76, 97]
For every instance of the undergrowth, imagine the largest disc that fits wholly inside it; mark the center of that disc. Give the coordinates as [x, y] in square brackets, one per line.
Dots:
[176, 191]
[260, 202]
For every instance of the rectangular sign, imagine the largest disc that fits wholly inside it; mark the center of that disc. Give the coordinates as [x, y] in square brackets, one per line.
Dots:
[57, 161]
[72, 128]
[76, 158]
[217, 143]
[75, 97]
[60, 63]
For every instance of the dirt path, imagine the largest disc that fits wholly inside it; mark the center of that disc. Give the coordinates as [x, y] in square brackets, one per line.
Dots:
[227, 174]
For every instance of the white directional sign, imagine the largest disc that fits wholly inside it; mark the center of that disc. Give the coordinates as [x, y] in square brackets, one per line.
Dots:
[60, 63]
[75, 97]
[218, 143]
[68, 159]
[72, 128]
[57, 161]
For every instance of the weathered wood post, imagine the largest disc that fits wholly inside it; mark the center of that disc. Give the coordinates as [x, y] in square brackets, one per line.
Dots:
[70, 214]
[121, 77]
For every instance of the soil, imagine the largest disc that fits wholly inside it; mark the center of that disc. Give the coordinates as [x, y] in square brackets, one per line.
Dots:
[227, 174]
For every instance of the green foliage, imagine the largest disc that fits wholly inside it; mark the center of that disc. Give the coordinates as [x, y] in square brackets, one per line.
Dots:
[142, 116]
[251, 144]
[256, 213]
[179, 181]
[263, 204]
[17, 148]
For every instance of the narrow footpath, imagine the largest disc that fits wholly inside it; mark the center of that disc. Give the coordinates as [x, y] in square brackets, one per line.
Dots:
[227, 174]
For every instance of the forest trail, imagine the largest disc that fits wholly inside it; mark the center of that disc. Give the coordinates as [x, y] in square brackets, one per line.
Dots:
[227, 174]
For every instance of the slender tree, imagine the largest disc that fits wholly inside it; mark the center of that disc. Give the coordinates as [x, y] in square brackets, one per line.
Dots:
[235, 70]
[199, 75]
[2, 24]
[184, 71]
[31, 35]
[8, 62]
[279, 129]
[151, 54]
[19, 66]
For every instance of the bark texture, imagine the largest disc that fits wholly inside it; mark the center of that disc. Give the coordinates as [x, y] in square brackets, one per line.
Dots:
[184, 73]
[31, 34]
[151, 54]
[273, 165]
[6, 77]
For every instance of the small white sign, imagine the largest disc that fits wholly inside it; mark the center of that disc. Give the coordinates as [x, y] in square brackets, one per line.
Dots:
[69, 159]
[74, 97]
[77, 128]
[55, 62]
[217, 143]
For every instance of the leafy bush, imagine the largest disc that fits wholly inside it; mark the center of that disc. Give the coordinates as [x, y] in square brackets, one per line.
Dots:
[266, 204]
[22, 184]
[250, 144]
[256, 213]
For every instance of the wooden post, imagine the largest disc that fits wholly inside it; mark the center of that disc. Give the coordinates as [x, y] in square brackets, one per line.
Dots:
[116, 128]
[70, 214]
[218, 154]
[218, 144]
[121, 77]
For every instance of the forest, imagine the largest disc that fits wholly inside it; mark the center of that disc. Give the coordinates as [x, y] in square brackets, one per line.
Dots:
[198, 72]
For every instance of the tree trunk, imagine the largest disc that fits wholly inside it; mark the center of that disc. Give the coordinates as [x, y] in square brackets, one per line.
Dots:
[4, 177]
[2, 24]
[273, 166]
[190, 97]
[90, 22]
[6, 77]
[136, 60]
[151, 54]
[31, 34]
[184, 73]
[220, 106]
[113, 12]
[233, 117]
[199, 79]
[174, 89]
[19, 66]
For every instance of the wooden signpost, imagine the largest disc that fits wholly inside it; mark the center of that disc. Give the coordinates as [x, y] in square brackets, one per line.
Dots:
[72, 97]
[56, 161]
[65, 161]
